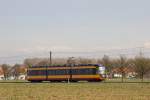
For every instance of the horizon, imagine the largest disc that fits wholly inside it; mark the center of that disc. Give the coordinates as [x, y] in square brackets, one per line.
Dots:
[113, 54]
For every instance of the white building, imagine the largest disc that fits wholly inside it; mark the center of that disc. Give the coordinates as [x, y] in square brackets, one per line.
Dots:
[22, 77]
[1, 77]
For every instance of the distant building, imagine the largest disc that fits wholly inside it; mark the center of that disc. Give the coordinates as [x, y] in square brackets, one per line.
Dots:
[1, 74]
[129, 72]
[23, 72]
[22, 77]
[17, 74]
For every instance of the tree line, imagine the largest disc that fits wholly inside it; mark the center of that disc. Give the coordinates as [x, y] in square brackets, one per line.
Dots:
[140, 64]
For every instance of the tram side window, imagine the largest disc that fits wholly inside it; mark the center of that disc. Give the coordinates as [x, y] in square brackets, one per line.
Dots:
[94, 71]
[67, 71]
[37, 72]
[86, 71]
[75, 71]
[51, 72]
[91, 71]
[57, 72]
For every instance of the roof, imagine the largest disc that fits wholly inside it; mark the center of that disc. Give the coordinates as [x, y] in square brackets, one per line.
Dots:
[22, 69]
[124, 69]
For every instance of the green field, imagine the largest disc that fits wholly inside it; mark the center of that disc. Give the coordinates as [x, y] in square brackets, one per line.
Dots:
[74, 91]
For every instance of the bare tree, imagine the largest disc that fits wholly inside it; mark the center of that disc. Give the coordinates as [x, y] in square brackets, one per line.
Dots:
[107, 63]
[122, 62]
[32, 61]
[59, 61]
[142, 66]
[86, 61]
[5, 69]
[43, 63]
[16, 71]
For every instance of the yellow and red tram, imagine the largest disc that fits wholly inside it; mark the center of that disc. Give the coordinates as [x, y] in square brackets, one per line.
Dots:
[89, 72]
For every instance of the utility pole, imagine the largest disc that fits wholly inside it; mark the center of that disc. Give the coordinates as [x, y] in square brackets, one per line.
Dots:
[50, 58]
[141, 51]
[71, 64]
[142, 56]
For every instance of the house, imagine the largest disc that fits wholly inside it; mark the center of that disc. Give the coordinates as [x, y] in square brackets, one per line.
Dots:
[22, 72]
[1, 74]
[128, 72]
[22, 69]
[17, 73]
[22, 77]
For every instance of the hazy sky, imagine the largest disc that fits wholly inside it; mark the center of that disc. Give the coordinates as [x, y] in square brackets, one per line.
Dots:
[73, 25]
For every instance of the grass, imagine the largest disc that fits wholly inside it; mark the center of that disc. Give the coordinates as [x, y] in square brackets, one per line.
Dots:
[132, 80]
[74, 91]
